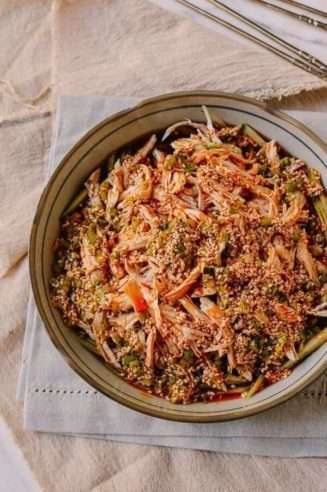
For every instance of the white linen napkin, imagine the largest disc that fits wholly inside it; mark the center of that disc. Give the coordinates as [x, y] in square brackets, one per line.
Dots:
[57, 400]
[301, 35]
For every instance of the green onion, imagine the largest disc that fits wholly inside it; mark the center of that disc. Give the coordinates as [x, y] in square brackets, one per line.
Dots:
[313, 175]
[256, 386]
[187, 357]
[291, 186]
[189, 168]
[224, 237]
[164, 226]
[180, 248]
[130, 360]
[91, 234]
[117, 340]
[170, 162]
[264, 170]
[213, 145]
[146, 381]
[285, 162]
[66, 285]
[237, 380]
[313, 344]
[113, 212]
[103, 190]
[320, 204]
[323, 277]
[115, 255]
[265, 221]
[134, 364]
[100, 295]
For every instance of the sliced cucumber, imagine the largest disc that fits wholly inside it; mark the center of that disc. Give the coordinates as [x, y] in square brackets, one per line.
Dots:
[79, 198]
[320, 204]
[248, 130]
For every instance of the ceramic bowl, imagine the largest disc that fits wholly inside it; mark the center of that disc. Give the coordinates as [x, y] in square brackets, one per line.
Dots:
[110, 135]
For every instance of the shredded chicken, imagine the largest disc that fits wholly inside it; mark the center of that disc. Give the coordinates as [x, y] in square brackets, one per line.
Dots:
[304, 256]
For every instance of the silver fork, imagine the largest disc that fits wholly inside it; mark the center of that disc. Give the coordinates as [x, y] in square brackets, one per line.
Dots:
[302, 60]
[301, 17]
[285, 44]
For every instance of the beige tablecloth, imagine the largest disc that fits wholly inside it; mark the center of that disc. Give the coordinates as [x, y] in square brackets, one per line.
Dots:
[116, 47]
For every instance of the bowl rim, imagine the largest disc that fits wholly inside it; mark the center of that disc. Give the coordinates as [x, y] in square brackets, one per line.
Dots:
[240, 413]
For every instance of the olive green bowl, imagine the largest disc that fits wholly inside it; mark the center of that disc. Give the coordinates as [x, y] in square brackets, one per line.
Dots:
[112, 134]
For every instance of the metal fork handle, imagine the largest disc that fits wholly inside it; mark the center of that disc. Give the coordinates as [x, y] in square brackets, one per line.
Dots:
[301, 17]
[307, 8]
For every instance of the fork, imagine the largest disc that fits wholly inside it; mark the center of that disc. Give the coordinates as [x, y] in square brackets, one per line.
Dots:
[302, 59]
